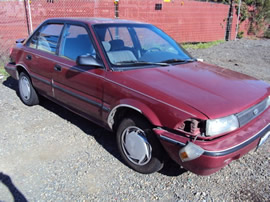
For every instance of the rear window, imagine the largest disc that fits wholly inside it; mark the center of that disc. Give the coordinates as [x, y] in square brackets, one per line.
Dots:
[46, 39]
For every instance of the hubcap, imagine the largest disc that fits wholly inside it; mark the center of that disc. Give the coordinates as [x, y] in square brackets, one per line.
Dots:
[135, 146]
[25, 88]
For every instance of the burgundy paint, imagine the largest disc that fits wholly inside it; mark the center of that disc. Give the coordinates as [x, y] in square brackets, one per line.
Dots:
[192, 90]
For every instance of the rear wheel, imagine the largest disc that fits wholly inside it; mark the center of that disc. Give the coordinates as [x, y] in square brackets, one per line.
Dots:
[138, 145]
[26, 91]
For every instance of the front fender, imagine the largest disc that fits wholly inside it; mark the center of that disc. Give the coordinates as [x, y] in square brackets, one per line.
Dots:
[134, 105]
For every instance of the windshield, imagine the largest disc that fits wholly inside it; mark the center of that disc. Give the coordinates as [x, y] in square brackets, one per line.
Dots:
[140, 45]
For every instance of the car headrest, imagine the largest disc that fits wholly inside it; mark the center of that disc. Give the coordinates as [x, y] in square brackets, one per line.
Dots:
[106, 45]
[116, 44]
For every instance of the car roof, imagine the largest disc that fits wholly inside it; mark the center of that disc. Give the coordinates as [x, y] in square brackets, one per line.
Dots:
[92, 21]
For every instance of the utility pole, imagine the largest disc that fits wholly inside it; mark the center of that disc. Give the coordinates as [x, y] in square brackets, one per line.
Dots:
[26, 16]
[229, 22]
[238, 16]
[116, 8]
[30, 16]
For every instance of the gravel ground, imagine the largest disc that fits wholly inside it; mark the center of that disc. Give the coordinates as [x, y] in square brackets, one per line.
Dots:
[50, 154]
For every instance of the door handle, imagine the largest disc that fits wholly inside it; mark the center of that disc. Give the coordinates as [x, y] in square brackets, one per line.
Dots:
[57, 68]
[28, 57]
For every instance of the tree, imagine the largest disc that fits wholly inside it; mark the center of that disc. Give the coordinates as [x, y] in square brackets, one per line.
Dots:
[258, 13]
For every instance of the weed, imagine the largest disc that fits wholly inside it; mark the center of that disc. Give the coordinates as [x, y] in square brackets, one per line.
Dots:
[3, 71]
[201, 45]
[240, 34]
[267, 33]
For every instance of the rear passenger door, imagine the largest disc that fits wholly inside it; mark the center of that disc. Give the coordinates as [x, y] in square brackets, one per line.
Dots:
[40, 55]
[79, 87]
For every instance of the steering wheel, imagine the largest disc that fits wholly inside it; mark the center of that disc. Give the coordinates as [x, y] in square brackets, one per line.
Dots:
[154, 49]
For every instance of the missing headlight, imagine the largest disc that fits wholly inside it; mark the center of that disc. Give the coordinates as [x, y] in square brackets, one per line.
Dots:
[193, 126]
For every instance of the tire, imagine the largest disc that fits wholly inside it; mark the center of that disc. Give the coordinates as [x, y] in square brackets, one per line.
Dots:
[27, 92]
[138, 146]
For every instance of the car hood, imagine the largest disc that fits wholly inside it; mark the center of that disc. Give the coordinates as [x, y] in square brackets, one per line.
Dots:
[212, 90]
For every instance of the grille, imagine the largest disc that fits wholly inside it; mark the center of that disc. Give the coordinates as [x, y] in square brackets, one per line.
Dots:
[251, 113]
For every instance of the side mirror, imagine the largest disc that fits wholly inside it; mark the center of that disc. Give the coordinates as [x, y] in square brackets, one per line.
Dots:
[20, 40]
[199, 59]
[87, 60]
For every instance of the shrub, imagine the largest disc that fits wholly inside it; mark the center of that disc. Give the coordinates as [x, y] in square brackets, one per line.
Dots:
[267, 33]
[240, 34]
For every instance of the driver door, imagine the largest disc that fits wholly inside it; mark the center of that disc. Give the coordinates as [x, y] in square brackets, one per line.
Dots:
[78, 87]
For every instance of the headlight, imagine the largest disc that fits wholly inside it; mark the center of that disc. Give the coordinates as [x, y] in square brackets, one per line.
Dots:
[222, 125]
[268, 102]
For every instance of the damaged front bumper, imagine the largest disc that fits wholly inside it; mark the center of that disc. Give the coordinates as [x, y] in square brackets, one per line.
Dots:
[217, 153]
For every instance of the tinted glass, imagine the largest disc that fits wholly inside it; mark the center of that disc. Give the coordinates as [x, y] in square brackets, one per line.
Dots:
[149, 40]
[119, 33]
[46, 39]
[137, 43]
[76, 42]
[33, 42]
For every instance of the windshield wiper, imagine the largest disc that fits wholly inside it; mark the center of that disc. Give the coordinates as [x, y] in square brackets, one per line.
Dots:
[134, 62]
[178, 60]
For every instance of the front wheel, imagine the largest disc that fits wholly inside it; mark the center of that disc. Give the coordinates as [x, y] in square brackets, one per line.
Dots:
[26, 91]
[138, 146]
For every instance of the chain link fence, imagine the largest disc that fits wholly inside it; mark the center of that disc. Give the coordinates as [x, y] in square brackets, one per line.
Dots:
[13, 25]
[18, 21]
[184, 20]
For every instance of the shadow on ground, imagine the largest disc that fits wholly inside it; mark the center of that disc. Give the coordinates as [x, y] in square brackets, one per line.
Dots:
[16, 194]
[103, 137]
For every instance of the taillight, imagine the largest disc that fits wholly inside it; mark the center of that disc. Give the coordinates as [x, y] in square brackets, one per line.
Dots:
[10, 51]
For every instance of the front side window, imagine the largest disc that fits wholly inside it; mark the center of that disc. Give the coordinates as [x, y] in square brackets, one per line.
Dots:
[137, 44]
[76, 42]
[46, 39]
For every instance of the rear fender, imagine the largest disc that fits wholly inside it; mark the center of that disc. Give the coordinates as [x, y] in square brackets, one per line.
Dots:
[21, 67]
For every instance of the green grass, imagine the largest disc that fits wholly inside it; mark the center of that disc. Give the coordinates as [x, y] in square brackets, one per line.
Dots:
[3, 71]
[201, 45]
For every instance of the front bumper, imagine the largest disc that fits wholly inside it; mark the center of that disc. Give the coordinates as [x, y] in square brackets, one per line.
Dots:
[221, 151]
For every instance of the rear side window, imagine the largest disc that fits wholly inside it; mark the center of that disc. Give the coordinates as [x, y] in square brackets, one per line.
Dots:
[46, 39]
[76, 42]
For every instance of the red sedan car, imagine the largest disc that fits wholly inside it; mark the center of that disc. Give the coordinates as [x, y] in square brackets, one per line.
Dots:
[133, 79]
